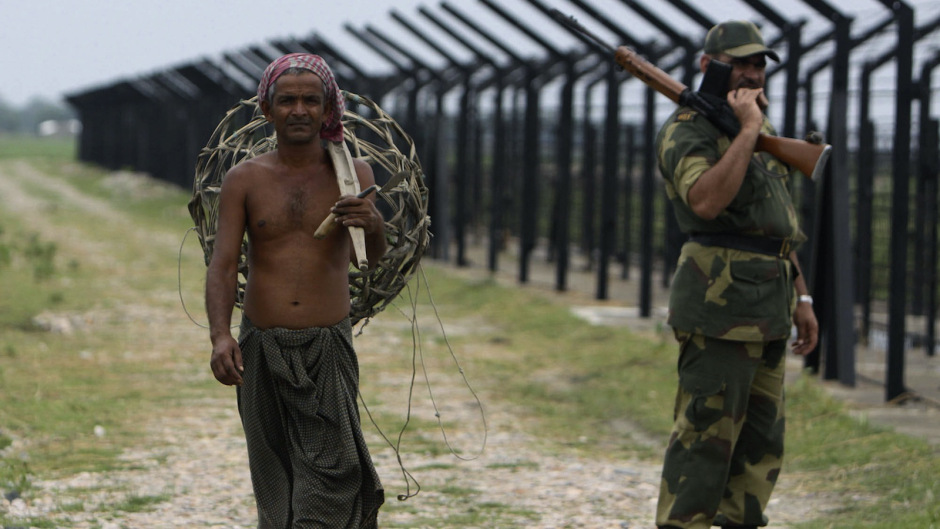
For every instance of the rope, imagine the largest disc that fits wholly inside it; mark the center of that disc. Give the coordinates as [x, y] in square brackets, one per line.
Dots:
[463, 375]
[417, 356]
[179, 279]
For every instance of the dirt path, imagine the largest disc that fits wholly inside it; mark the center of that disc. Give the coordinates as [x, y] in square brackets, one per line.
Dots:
[196, 466]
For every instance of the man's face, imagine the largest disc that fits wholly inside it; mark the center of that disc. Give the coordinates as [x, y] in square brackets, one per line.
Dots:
[298, 108]
[746, 72]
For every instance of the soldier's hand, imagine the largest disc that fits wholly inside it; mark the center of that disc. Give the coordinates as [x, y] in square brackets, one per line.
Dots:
[744, 103]
[807, 329]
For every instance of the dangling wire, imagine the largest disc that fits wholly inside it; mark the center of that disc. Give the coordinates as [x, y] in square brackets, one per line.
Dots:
[463, 375]
[179, 279]
[417, 355]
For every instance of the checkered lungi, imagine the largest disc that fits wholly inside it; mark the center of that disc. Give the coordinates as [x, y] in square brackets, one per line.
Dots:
[309, 463]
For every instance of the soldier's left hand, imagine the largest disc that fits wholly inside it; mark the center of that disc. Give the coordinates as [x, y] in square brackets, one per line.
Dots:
[807, 329]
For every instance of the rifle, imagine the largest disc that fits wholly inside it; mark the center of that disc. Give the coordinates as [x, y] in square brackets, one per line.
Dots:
[807, 157]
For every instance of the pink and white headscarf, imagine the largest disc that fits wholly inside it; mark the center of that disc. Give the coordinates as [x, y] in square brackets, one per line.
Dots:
[332, 128]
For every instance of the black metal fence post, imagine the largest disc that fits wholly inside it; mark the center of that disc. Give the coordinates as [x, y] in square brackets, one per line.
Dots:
[929, 165]
[897, 305]
[463, 175]
[498, 197]
[833, 266]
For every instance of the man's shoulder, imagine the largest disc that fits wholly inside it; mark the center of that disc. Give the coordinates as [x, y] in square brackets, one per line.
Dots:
[686, 121]
[685, 115]
[687, 130]
[685, 127]
[359, 164]
[251, 168]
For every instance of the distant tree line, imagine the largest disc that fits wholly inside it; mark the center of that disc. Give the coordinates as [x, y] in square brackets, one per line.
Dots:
[26, 119]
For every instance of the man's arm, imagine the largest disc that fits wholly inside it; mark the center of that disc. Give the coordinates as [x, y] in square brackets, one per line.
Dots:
[716, 188]
[222, 281]
[807, 328]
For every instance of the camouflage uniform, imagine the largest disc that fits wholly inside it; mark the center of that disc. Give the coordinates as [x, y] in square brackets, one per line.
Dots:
[731, 311]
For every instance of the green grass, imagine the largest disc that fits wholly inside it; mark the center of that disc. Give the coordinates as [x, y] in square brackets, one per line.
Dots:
[586, 379]
[57, 388]
[895, 477]
[576, 373]
[141, 503]
[32, 147]
[27, 261]
[585, 389]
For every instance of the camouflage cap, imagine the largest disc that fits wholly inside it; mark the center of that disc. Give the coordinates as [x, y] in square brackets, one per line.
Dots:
[737, 38]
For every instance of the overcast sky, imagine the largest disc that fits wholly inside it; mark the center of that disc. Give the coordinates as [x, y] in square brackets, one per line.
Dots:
[51, 48]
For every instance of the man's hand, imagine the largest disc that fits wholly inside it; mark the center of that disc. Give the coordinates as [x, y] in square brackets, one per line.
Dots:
[226, 361]
[807, 329]
[745, 102]
[359, 212]
[716, 188]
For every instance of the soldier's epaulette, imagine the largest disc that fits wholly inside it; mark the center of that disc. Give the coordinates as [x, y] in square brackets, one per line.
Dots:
[686, 115]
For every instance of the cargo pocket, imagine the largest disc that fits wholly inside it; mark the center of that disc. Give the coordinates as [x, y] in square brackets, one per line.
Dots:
[755, 288]
[701, 412]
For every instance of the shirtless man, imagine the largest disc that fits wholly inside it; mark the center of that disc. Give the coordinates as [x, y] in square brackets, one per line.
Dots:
[294, 365]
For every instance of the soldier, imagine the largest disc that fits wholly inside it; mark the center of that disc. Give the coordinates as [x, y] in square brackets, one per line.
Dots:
[735, 296]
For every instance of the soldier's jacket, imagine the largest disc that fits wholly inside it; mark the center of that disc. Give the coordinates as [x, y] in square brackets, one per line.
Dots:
[721, 292]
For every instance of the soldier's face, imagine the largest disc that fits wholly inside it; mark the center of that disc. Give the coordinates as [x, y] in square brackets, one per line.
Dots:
[746, 72]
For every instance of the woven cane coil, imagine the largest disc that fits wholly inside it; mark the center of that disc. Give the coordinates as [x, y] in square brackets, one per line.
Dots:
[371, 135]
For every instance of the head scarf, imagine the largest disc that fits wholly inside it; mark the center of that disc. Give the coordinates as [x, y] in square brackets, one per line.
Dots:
[332, 128]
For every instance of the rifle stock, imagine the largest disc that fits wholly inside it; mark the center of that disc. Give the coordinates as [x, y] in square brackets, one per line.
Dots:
[808, 158]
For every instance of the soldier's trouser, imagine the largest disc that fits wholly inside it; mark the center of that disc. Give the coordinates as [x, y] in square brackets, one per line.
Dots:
[726, 448]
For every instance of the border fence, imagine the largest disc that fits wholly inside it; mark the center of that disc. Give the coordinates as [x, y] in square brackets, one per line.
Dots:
[532, 138]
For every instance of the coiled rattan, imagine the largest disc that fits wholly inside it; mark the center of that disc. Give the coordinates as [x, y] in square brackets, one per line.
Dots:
[371, 135]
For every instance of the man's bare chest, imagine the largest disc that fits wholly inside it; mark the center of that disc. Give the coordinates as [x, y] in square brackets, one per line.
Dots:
[288, 206]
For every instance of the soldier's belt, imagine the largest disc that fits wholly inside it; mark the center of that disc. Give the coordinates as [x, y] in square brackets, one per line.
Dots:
[764, 245]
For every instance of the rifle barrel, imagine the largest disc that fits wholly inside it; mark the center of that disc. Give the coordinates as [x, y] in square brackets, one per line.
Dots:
[649, 73]
[572, 23]
[808, 158]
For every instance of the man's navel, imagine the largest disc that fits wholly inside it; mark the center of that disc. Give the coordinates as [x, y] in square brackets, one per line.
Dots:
[261, 223]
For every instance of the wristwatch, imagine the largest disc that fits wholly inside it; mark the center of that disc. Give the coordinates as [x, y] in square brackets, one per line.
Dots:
[805, 298]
